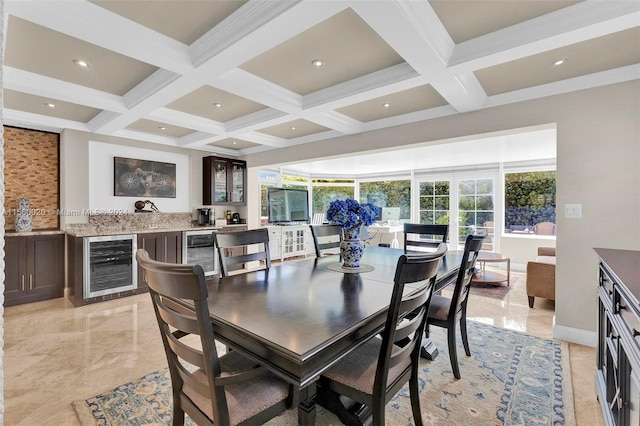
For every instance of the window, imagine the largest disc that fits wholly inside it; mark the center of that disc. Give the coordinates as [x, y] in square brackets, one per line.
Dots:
[324, 191]
[266, 178]
[475, 206]
[529, 198]
[295, 182]
[394, 195]
[434, 202]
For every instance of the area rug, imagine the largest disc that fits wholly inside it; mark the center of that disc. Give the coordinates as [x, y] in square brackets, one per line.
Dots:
[511, 378]
[495, 291]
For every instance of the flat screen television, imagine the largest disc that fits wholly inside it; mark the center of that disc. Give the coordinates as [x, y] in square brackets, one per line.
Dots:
[287, 205]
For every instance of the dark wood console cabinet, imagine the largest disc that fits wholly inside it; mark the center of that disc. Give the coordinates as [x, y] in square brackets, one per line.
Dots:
[162, 246]
[224, 181]
[618, 351]
[34, 268]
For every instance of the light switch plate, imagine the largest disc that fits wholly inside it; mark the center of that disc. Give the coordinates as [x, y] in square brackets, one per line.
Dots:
[573, 211]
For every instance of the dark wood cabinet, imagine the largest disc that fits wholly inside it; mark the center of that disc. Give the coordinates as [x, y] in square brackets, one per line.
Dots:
[618, 349]
[224, 181]
[162, 246]
[34, 268]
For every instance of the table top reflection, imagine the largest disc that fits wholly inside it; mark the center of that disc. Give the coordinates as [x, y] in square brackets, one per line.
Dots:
[300, 317]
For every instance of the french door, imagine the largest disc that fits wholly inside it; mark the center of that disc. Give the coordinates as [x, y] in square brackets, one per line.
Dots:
[470, 200]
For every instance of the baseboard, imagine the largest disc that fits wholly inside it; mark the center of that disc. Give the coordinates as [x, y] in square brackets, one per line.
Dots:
[575, 335]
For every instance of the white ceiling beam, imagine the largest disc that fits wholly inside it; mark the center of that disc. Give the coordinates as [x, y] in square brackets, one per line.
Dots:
[147, 137]
[12, 117]
[336, 121]
[250, 86]
[603, 78]
[583, 21]
[426, 46]
[199, 139]
[96, 25]
[360, 89]
[40, 85]
[189, 121]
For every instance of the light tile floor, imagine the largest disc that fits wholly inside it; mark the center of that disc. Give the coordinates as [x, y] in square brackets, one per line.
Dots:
[55, 353]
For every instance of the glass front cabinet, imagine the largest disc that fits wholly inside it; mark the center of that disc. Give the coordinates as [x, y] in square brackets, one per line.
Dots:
[224, 181]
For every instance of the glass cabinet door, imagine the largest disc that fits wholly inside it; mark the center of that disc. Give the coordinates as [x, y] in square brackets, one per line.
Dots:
[220, 193]
[237, 183]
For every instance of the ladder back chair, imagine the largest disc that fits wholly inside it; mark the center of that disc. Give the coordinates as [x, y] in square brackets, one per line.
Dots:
[326, 238]
[374, 372]
[221, 390]
[447, 312]
[233, 247]
[438, 234]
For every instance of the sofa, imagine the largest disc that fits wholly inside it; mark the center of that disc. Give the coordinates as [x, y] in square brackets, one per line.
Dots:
[541, 275]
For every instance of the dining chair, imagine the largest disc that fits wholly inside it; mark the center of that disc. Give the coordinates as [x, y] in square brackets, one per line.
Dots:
[221, 390]
[544, 228]
[233, 248]
[447, 312]
[326, 238]
[375, 371]
[429, 236]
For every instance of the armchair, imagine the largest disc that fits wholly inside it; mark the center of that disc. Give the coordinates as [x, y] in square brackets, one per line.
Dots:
[541, 275]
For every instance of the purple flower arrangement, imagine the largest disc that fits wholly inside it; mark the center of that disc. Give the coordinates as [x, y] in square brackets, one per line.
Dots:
[350, 214]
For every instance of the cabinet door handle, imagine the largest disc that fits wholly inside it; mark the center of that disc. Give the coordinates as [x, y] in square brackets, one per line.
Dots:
[636, 333]
[30, 281]
[22, 282]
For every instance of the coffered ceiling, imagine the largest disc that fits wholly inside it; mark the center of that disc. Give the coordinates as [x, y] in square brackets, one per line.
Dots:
[238, 77]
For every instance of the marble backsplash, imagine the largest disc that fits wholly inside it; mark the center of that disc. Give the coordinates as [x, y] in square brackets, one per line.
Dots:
[101, 224]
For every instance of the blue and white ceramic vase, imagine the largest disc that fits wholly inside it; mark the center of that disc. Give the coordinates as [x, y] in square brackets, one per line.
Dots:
[24, 222]
[351, 248]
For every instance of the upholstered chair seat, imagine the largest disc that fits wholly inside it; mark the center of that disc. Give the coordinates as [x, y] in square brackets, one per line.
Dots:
[245, 400]
[439, 307]
[358, 369]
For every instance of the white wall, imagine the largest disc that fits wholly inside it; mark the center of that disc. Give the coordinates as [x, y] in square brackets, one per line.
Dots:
[77, 171]
[101, 183]
[598, 166]
[521, 249]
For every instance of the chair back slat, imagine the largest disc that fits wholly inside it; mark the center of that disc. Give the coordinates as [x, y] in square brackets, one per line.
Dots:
[326, 238]
[406, 318]
[226, 242]
[174, 285]
[429, 236]
[472, 246]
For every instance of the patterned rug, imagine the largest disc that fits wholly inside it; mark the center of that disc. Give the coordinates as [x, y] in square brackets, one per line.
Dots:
[511, 379]
[495, 291]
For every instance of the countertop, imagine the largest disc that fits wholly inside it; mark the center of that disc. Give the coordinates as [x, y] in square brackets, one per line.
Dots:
[93, 231]
[9, 233]
[625, 265]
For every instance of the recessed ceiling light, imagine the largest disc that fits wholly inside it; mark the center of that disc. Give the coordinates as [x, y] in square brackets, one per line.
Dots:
[50, 105]
[217, 105]
[559, 62]
[81, 63]
[386, 104]
[317, 63]
[162, 128]
[234, 143]
[293, 127]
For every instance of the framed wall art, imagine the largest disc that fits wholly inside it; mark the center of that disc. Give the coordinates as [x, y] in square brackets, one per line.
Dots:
[142, 178]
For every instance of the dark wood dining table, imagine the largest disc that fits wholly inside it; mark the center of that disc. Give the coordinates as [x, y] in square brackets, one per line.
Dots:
[299, 318]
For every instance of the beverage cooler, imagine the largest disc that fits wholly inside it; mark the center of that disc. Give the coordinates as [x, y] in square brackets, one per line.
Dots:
[109, 265]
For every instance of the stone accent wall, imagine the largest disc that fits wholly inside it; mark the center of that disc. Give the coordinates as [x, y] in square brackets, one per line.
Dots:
[31, 170]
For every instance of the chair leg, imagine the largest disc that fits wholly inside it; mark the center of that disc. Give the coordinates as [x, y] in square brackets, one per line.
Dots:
[415, 398]
[453, 355]
[178, 412]
[531, 301]
[463, 332]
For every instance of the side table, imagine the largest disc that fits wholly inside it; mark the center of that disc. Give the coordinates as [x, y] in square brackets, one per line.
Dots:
[489, 277]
